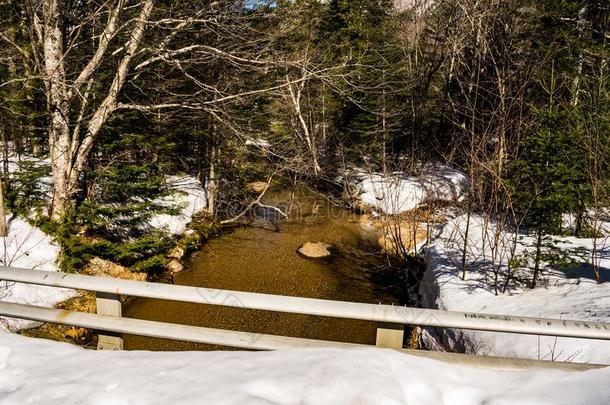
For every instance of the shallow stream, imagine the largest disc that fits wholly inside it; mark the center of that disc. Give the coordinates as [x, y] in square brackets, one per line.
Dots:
[262, 259]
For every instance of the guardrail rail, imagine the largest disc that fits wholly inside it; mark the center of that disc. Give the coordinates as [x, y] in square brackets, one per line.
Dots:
[390, 320]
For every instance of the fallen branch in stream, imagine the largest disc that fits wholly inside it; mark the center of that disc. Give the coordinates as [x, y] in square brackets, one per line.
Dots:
[255, 203]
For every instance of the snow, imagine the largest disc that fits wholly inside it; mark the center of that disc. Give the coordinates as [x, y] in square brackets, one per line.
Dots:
[28, 247]
[258, 143]
[419, 6]
[573, 294]
[399, 192]
[45, 372]
[17, 163]
[191, 197]
[563, 295]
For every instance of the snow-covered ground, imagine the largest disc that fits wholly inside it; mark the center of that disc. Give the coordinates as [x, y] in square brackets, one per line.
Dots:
[191, 198]
[398, 192]
[34, 371]
[28, 247]
[570, 295]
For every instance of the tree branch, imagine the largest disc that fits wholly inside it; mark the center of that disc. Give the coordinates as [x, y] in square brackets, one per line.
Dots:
[109, 32]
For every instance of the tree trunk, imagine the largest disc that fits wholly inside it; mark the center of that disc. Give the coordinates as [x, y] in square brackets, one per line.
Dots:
[59, 131]
[3, 179]
[211, 186]
[581, 25]
[465, 246]
[5, 156]
[384, 158]
[3, 227]
[537, 258]
[295, 97]
[69, 151]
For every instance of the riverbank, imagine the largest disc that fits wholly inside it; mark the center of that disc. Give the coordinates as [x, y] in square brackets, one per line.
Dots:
[572, 293]
[29, 247]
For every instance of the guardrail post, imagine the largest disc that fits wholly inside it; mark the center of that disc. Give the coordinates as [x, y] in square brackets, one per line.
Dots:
[390, 335]
[109, 304]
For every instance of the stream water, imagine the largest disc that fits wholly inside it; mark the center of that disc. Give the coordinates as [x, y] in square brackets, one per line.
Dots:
[261, 259]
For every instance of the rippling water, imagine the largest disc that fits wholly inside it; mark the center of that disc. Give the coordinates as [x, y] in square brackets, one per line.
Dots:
[259, 259]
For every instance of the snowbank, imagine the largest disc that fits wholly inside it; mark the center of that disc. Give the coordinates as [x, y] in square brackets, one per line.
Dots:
[44, 372]
[567, 295]
[191, 197]
[398, 192]
[28, 247]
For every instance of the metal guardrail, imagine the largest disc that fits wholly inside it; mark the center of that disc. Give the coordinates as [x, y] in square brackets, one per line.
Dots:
[195, 334]
[390, 319]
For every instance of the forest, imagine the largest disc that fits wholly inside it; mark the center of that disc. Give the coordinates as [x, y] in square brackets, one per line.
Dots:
[305, 202]
[101, 102]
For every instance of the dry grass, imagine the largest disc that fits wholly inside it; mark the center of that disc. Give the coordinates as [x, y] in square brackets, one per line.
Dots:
[407, 236]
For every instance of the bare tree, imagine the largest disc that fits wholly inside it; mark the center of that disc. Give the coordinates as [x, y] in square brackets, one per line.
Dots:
[304, 126]
[486, 102]
[87, 54]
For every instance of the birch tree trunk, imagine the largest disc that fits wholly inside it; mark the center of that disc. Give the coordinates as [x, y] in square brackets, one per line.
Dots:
[296, 94]
[69, 150]
[581, 25]
[211, 184]
[3, 227]
[59, 130]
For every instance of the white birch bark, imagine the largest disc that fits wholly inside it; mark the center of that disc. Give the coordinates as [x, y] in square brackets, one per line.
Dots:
[295, 97]
[70, 153]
